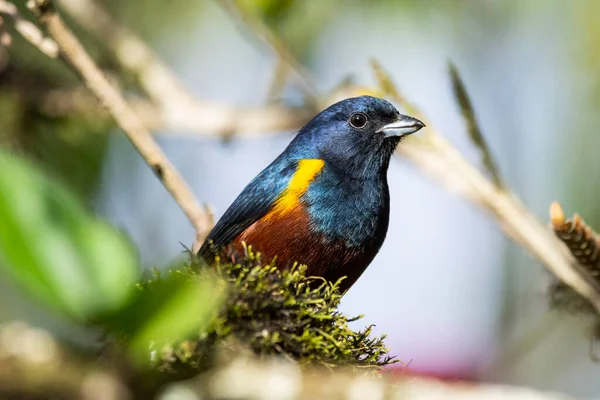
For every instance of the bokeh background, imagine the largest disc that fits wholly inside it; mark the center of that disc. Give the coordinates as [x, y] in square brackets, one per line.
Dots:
[456, 298]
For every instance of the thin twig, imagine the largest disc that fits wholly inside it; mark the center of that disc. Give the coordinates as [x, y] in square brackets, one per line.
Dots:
[216, 121]
[220, 120]
[440, 159]
[155, 76]
[29, 30]
[260, 31]
[176, 109]
[473, 129]
[278, 81]
[73, 53]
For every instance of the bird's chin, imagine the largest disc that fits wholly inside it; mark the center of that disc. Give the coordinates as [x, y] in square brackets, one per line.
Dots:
[393, 140]
[389, 145]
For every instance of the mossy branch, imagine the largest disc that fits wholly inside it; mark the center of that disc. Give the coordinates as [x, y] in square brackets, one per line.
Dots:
[72, 52]
[275, 312]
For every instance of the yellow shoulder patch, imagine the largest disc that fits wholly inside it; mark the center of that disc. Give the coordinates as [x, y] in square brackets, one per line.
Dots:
[304, 175]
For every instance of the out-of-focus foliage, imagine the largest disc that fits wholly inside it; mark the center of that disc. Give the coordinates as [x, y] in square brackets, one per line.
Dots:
[51, 246]
[43, 118]
[178, 307]
[82, 268]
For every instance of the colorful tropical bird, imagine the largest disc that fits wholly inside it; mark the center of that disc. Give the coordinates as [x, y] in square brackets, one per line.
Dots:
[324, 201]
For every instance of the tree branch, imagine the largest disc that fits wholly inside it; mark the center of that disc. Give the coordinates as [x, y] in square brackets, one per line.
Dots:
[73, 53]
[436, 156]
[28, 30]
[260, 31]
[154, 75]
[175, 107]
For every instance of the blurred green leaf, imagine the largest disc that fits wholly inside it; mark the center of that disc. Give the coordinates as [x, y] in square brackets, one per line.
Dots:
[168, 311]
[54, 249]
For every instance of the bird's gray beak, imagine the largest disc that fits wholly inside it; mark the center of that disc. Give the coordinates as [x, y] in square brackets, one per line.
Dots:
[403, 126]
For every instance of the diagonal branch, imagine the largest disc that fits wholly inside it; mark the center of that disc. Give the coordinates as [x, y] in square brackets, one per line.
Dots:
[436, 156]
[260, 31]
[155, 76]
[176, 109]
[28, 30]
[73, 53]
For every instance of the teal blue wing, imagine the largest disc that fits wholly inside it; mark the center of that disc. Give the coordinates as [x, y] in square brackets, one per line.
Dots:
[252, 204]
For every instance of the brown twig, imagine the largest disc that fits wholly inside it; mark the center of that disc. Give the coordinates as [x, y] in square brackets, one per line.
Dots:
[73, 53]
[28, 30]
[388, 88]
[155, 76]
[220, 120]
[177, 110]
[441, 160]
[260, 31]
[435, 155]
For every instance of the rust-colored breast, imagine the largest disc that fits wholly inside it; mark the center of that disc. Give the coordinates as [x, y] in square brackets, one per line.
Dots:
[283, 235]
[290, 238]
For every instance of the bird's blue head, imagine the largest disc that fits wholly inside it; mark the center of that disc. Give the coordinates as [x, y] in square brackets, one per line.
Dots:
[357, 136]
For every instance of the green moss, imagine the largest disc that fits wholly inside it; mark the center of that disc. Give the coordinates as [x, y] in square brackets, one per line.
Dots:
[273, 313]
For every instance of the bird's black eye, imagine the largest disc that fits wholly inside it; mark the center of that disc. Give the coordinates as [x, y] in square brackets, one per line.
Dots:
[358, 120]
